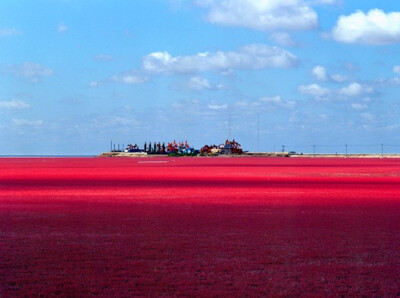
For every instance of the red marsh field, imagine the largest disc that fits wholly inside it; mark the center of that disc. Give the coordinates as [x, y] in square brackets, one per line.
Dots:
[199, 226]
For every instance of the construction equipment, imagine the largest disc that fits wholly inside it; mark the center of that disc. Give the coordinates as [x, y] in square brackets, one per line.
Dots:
[230, 147]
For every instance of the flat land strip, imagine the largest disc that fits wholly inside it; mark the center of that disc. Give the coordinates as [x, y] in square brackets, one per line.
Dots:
[199, 226]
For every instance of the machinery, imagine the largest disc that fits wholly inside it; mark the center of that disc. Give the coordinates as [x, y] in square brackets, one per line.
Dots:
[132, 148]
[230, 147]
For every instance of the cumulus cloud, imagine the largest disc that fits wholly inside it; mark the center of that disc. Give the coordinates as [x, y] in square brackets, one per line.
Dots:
[103, 57]
[62, 28]
[30, 71]
[328, 2]
[320, 73]
[355, 89]
[9, 32]
[217, 107]
[265, 15]
[368, 117]
[252, 57]
[94, 84]
[338, 78]
[278, 101]
[200, 83]
[282, 38]
[374, 28]
[359, 106]
[314, 90]
[14, 105]
[25, 122]
[127, 79]
[266, 102]
[130, 79]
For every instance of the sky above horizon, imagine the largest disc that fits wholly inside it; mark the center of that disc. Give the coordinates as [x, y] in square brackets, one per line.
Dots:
[77, 74]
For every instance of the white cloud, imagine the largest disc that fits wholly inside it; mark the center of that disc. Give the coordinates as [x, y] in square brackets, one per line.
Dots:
[355, 89]
[278, 101]
[368, 116]
[126, 78]
[374, 28]
[94, 84]
[129, 79]
[30, 71]
[103, 57]
[122, 121]
[218, 107]
[25, 122]
[266, 102]
[265, 15]
[314, 90]
[384, 82]
[359, 106]
[14, 105]
[201, 83]
[253, 57]
[320, 73]
[62, 28]
[241, 104]
[9, 32]
[192, 105]
[323, 2]
[337, 78]
[396, 69]
[282, 38]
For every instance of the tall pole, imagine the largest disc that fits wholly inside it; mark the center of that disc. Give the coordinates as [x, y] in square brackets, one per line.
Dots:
[258, 132]
[111, 146]
[229, 126]
[346, 150]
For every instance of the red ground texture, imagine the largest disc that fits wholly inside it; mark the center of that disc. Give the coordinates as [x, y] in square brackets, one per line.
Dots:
[199, 227]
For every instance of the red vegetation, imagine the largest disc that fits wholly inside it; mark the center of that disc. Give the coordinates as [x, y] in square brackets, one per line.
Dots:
[199, 226]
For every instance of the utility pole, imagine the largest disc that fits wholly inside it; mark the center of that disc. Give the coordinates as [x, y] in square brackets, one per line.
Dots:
[258, 132]
[229, 126]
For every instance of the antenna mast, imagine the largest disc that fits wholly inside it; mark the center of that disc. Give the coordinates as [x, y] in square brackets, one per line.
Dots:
[229, 126]
[258, 132]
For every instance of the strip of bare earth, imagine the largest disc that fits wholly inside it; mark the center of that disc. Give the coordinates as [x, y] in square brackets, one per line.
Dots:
[261, 154]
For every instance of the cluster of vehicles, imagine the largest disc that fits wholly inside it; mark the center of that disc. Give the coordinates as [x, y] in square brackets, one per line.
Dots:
[184, 149]
[172, 148]
[230, 147]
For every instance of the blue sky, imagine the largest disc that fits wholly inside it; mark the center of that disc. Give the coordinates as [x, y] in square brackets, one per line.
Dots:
[75, 75]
